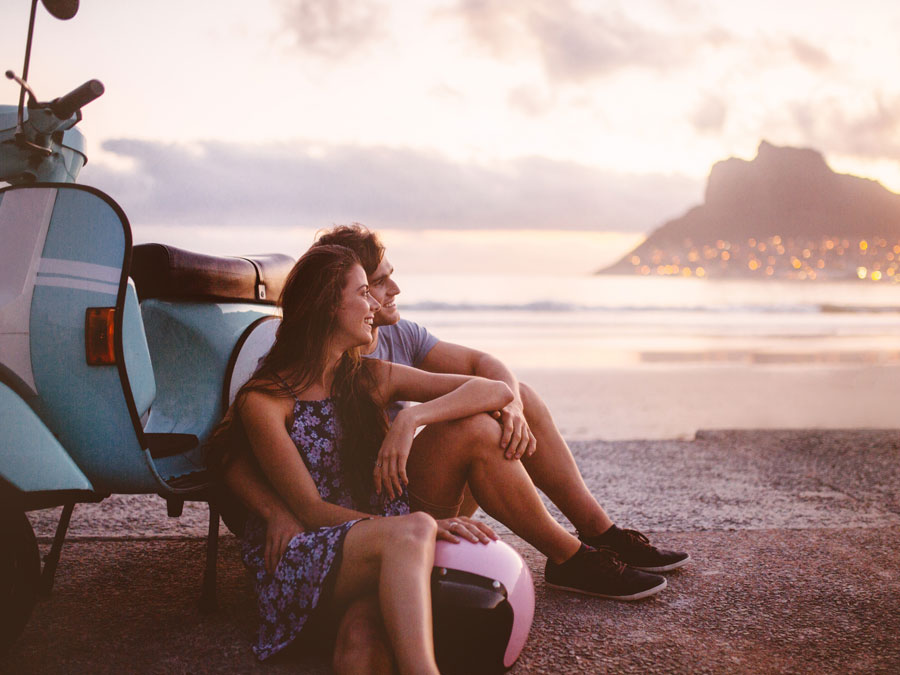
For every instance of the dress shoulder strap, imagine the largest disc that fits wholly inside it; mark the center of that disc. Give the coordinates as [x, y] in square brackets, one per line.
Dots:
[287, 387]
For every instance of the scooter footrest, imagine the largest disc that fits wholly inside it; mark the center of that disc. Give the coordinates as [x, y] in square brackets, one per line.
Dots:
[169, 445]
[195, 479]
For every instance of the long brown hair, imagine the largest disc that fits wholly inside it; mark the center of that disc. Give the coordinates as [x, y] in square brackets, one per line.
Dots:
[309, 302]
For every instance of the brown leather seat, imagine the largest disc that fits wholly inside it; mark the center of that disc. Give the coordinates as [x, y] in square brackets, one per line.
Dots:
[170, 273]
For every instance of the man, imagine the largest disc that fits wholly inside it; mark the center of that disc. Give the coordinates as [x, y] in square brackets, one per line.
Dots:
[529, 432]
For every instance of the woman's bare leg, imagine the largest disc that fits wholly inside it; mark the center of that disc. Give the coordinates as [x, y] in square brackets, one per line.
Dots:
[445, 456]
[362, 644]
[393, 557]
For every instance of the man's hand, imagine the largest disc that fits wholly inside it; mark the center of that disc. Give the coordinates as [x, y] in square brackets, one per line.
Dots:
[281, 527]
[517, 439]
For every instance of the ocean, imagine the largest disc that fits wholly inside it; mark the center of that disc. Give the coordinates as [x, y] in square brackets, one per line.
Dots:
[655, 357]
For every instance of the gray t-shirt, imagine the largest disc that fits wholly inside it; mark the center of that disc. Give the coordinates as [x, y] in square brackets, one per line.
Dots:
[406, 343]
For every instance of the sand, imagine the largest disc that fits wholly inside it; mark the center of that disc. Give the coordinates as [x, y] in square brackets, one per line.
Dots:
[674, 401]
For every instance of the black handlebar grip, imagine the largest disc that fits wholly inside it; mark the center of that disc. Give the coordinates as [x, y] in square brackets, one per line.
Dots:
[65, 106]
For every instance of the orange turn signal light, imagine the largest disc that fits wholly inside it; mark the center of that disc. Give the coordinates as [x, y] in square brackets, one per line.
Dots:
[99, 333]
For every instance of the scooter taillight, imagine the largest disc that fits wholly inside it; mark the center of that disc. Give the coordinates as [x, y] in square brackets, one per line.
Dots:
[99, 330]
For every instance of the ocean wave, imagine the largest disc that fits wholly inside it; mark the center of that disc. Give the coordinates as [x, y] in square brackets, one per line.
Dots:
[561, 307]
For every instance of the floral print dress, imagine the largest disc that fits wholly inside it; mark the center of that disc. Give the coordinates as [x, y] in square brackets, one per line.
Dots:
[305, 574]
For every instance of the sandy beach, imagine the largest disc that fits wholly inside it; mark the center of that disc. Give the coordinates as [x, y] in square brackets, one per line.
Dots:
[674, 401]
[795, 537]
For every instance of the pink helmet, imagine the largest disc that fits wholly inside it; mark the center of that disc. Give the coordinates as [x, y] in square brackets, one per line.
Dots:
[482, 598]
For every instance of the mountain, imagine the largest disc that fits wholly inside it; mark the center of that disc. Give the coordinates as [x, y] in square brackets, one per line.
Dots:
[786, 215]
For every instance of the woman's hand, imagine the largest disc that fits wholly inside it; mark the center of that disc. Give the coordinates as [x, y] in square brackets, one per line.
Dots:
[451, 529]
[281, 527]
[390, 464]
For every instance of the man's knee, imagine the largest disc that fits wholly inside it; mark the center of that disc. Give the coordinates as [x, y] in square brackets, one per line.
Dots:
[536, 411]
[361, 641]
[531, 400]
[477, 429]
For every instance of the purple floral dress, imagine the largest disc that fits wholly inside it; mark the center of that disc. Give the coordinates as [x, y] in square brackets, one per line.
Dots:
[304, 576]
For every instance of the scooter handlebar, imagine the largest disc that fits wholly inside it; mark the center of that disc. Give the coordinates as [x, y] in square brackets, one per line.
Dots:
[66, 106]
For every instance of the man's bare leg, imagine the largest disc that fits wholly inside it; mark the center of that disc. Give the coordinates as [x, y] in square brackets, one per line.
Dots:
[362, 644]
[445, 456]
[553, 469]
[554, 472]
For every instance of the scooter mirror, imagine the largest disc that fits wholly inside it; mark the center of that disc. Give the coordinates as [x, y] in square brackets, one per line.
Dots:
[61, 9]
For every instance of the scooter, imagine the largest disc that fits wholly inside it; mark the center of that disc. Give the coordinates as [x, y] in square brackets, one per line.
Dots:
[116, 361]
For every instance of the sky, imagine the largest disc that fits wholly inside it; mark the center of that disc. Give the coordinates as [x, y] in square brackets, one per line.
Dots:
[569, 128]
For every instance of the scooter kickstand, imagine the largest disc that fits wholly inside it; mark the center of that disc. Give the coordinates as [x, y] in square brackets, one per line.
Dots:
[52, 558]
[208, 601]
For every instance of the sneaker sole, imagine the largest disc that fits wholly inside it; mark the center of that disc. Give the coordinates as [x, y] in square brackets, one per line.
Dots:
[663, 568]
[627, 598]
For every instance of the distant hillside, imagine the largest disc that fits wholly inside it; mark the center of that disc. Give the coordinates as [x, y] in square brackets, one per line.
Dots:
[783, 215]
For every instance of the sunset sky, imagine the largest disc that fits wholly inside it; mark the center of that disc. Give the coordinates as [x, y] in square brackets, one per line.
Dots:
[257, 126]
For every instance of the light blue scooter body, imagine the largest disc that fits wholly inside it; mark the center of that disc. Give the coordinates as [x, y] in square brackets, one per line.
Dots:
[192, 345]
[91, 409]
[32, 459]
[167, 380]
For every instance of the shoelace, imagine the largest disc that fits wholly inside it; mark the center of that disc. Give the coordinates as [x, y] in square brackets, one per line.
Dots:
[608, 558]
[637, 539]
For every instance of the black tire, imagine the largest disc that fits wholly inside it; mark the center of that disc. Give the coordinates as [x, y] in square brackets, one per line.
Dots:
[20, 573]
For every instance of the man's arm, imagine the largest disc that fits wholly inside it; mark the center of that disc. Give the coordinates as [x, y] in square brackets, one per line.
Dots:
[447, 357]
[246, 482]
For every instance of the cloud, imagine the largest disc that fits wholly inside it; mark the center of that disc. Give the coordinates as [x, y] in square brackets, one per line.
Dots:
[312, 186]
[808, 54]
[333, 28]
[710, 115]
[573, 44]
[529, 100]
[576, 43]
[873, 133]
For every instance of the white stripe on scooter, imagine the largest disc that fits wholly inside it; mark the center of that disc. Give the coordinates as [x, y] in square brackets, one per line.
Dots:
[85, 270]
[77, 284]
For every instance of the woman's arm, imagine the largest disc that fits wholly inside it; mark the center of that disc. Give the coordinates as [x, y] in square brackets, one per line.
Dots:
[445, 397]
[264, 419]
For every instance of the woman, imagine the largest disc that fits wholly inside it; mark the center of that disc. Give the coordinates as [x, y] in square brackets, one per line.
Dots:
[312, 417]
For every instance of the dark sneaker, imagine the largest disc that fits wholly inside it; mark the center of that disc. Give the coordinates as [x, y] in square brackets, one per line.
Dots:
[599, 572]
[635, 550]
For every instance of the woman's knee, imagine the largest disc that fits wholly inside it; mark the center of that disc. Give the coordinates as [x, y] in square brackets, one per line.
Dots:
[420, 526]
[416, 529]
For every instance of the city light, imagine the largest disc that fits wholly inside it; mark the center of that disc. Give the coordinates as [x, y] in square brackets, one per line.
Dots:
[776, 257]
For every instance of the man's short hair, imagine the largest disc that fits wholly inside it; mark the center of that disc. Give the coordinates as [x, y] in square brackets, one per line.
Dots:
[358, 238]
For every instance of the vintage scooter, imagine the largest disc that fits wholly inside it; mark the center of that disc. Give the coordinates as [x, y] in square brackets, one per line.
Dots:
[116, 361]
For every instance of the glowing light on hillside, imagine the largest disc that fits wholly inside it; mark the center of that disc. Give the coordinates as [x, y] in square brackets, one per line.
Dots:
[862, 272]
[863, 245]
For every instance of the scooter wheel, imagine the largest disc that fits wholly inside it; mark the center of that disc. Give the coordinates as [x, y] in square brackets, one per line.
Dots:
[20, 573]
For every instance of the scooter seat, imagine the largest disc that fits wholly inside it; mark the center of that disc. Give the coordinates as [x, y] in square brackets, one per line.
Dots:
[170, 273]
